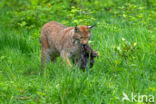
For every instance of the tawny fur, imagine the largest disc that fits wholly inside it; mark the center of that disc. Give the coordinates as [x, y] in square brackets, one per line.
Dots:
[59, 40]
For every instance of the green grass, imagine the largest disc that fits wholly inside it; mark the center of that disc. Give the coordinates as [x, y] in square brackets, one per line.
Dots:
[114, 72]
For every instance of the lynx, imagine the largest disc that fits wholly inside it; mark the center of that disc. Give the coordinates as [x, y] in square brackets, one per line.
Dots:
[59, 40]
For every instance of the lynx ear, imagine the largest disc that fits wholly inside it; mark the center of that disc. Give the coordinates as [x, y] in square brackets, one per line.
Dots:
[91, 26]
[76, 29]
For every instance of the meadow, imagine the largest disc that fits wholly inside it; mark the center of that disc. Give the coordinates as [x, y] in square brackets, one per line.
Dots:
[124, 37]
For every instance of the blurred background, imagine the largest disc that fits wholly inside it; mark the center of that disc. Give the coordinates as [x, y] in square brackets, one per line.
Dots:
[34, 13]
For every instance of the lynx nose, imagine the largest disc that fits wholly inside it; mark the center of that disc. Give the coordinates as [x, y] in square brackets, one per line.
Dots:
[84, 45]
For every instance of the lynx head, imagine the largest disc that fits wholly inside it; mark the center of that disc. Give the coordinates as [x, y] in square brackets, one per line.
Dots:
[82, 34]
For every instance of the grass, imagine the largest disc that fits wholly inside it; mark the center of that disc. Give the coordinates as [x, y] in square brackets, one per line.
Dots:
[117, 70]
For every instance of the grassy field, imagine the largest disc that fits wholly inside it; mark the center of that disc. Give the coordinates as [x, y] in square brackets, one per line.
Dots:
[126, 65]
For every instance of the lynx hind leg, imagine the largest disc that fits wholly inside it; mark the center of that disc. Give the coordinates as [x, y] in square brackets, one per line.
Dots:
[45, 55]
[45, 58]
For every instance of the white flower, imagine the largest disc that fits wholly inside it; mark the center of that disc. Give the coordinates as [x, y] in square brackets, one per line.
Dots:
[123, 39]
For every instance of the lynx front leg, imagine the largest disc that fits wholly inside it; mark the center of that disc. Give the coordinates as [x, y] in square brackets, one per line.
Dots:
[65, 58]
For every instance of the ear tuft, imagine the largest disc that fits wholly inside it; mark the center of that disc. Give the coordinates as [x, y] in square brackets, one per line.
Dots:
[91, 26]
[76, 29]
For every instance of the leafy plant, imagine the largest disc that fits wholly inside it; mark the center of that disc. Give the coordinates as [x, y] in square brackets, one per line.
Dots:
[80, 16]
[33, 15]
[125, 52]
